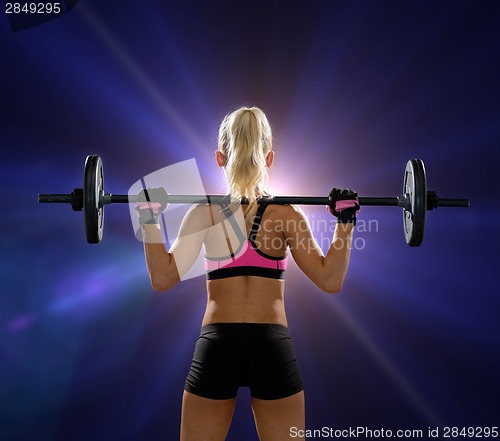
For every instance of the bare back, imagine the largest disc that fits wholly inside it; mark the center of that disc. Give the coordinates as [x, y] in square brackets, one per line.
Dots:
[248, 299]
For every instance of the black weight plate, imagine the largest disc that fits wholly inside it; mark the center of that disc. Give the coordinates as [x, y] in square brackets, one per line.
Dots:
[93, 189]
[415, 192]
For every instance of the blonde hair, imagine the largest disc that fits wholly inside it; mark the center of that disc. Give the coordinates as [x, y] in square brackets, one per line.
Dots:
[245, 140]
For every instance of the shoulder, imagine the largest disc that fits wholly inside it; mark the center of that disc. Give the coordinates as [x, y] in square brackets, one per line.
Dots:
[197, 218]
[291, 216]
[285, 211]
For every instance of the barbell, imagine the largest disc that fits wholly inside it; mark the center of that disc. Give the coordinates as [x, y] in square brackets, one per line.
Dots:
[415, 201]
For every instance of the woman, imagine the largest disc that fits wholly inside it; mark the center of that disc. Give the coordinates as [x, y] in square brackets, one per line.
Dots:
[244, 339]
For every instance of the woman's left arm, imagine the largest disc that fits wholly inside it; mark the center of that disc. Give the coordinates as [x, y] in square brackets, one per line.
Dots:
[327, 272]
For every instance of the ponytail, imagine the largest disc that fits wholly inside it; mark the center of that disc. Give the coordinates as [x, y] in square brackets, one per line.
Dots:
[245, 139]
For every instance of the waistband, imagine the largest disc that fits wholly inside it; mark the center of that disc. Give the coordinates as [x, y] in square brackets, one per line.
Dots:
[243, 328]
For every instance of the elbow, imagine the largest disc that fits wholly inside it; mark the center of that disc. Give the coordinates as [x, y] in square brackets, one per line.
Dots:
[162, 284]
[332, 288]
[333, 281]
[332, 285]
[159, 287]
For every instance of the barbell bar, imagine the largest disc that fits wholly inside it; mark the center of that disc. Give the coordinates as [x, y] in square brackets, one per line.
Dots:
[415, 201]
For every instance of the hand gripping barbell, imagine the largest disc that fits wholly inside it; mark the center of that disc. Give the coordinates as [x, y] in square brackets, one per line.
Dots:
[415, 202]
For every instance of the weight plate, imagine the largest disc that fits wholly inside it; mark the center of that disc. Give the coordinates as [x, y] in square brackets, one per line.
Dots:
[93, 189]
[415, 193]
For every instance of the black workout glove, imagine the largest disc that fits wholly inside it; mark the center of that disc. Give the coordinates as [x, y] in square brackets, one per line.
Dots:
[151, 203]
[344, 205]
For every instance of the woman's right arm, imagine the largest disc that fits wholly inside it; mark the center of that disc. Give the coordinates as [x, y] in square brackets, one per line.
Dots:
[160, 262]
[167, 267]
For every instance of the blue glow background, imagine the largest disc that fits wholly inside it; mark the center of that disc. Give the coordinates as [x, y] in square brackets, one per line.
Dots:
[353, 89]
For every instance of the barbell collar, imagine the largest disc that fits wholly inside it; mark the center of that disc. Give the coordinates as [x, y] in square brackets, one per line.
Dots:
[77, 199]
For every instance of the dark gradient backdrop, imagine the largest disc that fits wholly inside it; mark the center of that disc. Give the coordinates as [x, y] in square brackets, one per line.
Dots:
[353, 89]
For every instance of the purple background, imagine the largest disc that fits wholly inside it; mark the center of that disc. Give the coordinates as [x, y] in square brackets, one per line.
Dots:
[353, 90]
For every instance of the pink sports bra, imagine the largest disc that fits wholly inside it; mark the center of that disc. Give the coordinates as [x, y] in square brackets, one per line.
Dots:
[248, 260]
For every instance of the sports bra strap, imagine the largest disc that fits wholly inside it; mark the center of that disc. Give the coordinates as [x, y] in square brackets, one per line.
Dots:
[256, 221]
[236, 228]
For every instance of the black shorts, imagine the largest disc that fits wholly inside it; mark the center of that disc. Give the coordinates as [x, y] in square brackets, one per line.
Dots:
[229, 355]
